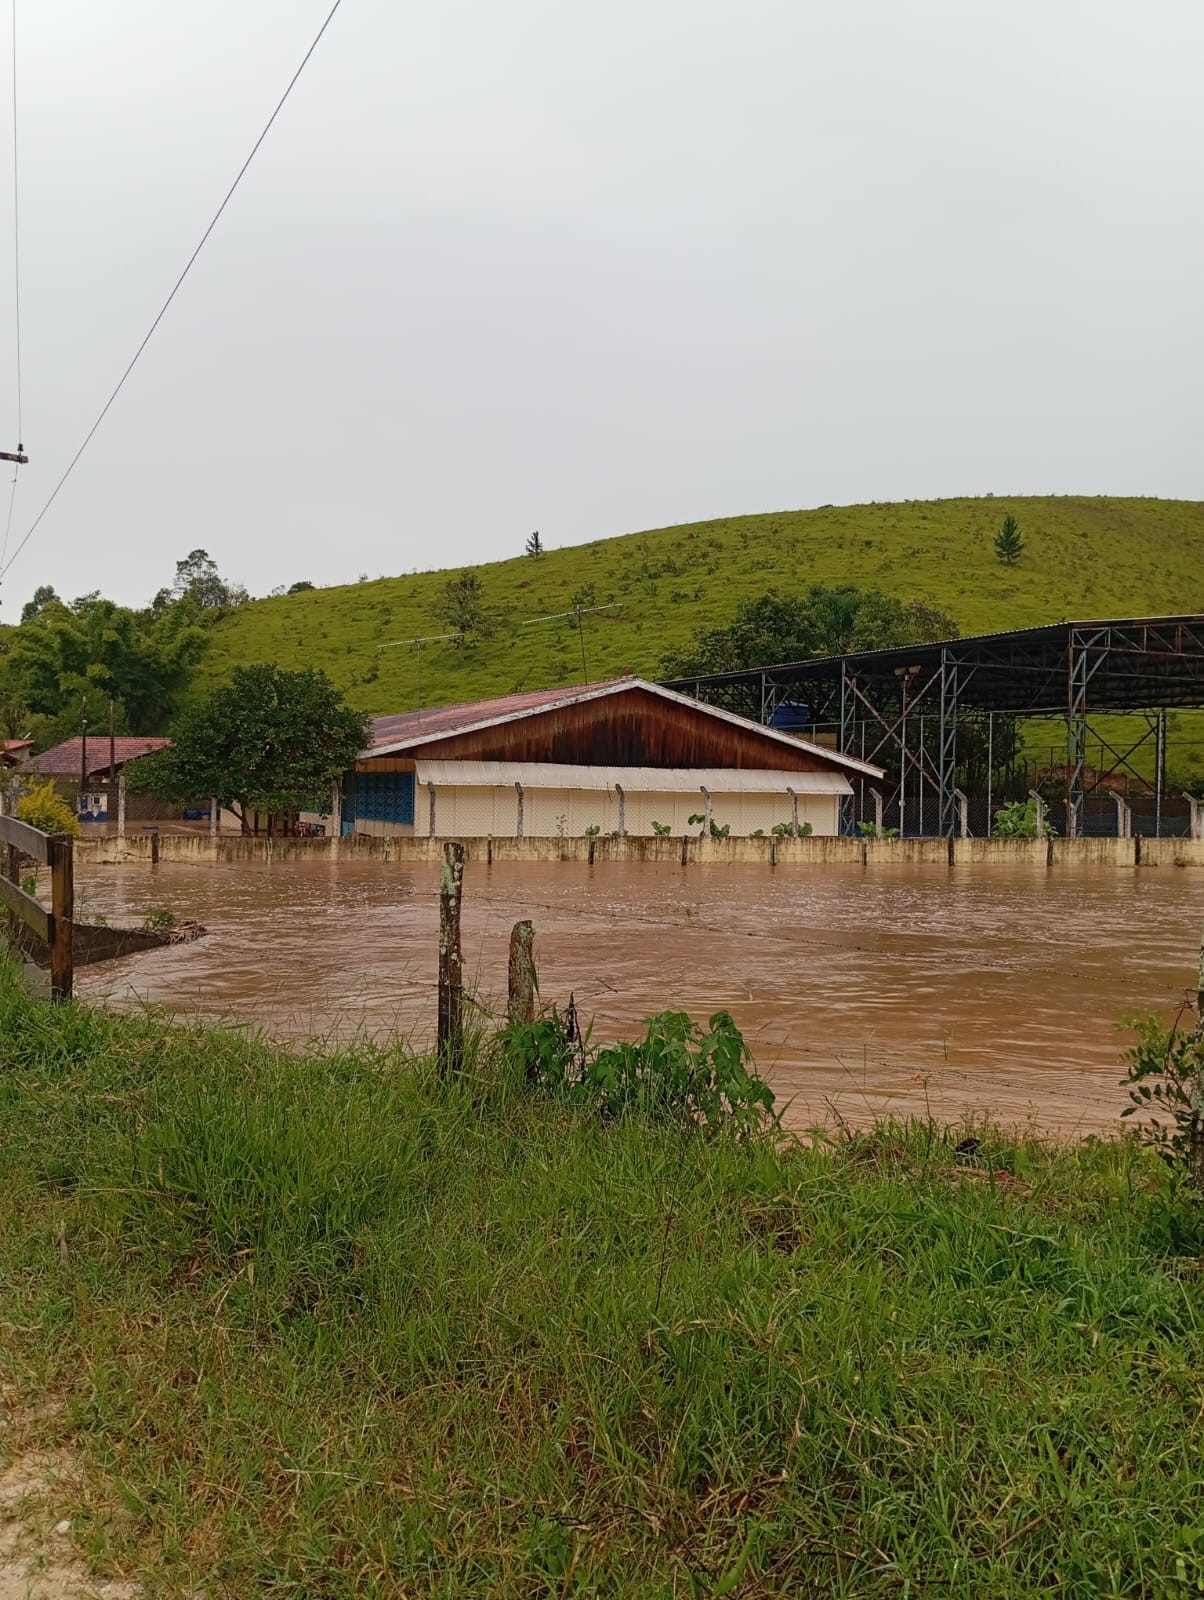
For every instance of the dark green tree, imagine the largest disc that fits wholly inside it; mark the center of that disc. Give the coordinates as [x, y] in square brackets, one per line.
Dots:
[534, 545]
[269, 740]
[1009, 546]
[302, 586]
[823, 622]
[462, 607]
[42, 596]
[198, 579]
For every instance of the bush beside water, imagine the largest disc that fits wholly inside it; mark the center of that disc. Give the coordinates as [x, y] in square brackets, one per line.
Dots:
[328, 1325]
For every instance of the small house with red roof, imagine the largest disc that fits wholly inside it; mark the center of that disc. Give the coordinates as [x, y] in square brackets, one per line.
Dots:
[624, 756]
[86, 773]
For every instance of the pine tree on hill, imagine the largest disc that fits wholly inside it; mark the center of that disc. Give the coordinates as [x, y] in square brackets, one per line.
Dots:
[1009, 546]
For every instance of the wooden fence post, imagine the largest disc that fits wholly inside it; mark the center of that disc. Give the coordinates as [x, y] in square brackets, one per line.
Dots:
[62, 905]
[522, 984]
[1195, 1147]
[450, 1037]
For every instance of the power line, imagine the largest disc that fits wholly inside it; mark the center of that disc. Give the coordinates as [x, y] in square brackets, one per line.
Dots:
[267, 128]
[16, 237]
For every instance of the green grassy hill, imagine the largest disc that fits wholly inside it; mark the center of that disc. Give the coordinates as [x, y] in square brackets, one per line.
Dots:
[1084, 557]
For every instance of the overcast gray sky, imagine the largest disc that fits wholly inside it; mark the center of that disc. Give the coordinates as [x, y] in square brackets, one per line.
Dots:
[589, 267]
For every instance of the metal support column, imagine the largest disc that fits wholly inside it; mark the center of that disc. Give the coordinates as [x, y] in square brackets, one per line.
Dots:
[947, 747]
[845, 740]
[1076, 734]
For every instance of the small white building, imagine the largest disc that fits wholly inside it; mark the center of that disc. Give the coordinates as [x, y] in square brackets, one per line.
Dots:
[618, 756]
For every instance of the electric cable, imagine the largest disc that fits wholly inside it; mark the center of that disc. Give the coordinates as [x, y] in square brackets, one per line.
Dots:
[175, 290]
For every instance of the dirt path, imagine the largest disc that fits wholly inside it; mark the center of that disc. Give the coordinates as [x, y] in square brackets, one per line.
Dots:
[37, 1558]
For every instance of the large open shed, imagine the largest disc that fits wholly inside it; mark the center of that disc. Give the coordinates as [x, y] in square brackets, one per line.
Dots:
[920, 710]
[618, 757]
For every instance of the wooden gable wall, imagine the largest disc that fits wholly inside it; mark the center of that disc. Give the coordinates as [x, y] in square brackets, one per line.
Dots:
[629, 729]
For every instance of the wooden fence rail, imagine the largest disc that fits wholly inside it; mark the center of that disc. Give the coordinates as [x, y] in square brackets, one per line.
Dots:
[51, 928]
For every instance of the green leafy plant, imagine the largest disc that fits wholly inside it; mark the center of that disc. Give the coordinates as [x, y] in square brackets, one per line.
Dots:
[1018, 820]
[43, 807]
[594, 829]
[662, 830]
[788, 830]
[871, 830]
[679, 1070]
[1165, 1080]
[29, 885]
[717, 830]
[160, 919]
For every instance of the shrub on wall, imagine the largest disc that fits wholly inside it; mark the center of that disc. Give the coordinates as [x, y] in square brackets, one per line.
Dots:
[42, 806]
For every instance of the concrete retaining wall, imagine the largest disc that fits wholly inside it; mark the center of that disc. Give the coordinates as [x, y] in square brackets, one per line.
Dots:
[815, 851]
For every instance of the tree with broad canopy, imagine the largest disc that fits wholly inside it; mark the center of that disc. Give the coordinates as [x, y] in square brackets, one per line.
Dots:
[269, 740]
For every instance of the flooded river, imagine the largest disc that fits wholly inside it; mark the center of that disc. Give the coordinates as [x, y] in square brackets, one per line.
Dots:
[861, 993]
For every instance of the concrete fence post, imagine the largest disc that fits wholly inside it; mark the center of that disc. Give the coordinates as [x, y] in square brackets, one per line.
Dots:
[450, 1033]
[878, 809]
[121, 804]
[793, 811]
[963, 813]
[336, 811]
[518, 827]
[1033, 795]
[706, 811]
[430, 789]
[1124, 816]
[622, 810]
[1196, 807]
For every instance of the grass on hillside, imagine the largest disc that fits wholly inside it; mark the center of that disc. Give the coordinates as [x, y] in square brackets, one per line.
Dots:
[1084, 557]
[327, 1326]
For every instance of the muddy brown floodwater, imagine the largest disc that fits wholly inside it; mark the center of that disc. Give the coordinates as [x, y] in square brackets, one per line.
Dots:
[893, 991]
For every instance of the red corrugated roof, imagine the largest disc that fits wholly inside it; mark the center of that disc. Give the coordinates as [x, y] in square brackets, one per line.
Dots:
[64, 760]
[451, 719]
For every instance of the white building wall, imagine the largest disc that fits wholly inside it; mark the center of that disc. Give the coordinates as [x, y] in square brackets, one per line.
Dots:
[470, 812]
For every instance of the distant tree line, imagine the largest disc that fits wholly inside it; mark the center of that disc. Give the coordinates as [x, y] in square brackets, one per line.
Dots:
[823, 621]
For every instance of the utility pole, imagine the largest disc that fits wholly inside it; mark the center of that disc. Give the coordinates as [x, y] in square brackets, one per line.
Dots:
[83, 753]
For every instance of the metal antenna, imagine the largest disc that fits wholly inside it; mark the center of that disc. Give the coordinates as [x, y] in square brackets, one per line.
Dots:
[578, 612]
[417, 642]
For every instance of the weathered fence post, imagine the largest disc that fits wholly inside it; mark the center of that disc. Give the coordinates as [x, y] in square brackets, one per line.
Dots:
[121, 804]
[706, 811]
[62, 905]
[793, 793]
[518, 831]
[1195, 1151]
[215, 816]
[1033, 795]
[450, 1037]
[522, 981]
[1124, 817]
[622, 810]
[1196, 807]
[877, 794]
[963, 813]
[430, 791]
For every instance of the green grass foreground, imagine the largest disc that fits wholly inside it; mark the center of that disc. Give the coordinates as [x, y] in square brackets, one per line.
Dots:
[326, 1326]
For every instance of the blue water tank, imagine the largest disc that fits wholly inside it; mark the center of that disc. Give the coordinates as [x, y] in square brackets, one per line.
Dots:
[791, 716]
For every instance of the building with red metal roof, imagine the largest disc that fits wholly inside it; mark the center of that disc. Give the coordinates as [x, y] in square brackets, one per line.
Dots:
[623, 756]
